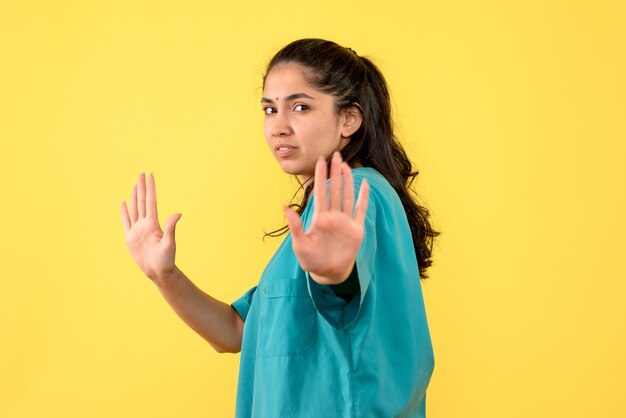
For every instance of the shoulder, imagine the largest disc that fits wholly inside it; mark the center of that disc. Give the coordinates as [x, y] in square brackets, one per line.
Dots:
[380, 189]
[369, 173]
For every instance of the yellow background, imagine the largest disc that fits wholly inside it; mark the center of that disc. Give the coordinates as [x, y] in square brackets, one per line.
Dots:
[513, 111]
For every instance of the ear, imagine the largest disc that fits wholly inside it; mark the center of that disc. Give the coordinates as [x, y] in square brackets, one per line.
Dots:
[351, 120]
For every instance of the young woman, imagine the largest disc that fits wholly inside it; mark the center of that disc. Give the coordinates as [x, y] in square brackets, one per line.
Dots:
[336, 326]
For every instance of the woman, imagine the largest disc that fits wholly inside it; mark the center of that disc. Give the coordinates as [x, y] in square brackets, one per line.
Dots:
[336, 326]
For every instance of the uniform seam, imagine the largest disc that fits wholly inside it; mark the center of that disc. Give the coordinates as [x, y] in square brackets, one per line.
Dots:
[351, 375]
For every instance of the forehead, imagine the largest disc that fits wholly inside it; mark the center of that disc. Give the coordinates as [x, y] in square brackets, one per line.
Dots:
[285, 79]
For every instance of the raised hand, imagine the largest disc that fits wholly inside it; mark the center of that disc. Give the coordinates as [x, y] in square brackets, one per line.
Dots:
[328, 249]
[152, 248]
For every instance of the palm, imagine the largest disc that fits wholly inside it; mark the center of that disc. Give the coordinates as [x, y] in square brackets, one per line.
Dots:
[328, 249]
[152, 248]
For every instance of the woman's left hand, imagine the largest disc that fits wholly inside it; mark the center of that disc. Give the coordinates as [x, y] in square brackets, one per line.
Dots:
[328, 249]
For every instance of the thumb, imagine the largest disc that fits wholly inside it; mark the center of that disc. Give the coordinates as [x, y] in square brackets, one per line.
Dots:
[294, 223]
[169, 231]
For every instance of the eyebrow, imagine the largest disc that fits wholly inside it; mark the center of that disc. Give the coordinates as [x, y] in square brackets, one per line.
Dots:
[289, 98]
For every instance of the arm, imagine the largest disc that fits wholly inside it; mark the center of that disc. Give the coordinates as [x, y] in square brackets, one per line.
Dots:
[218, 323]
[154, 251]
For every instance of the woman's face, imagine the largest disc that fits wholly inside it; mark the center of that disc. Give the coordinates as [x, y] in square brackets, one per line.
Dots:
[300, 122]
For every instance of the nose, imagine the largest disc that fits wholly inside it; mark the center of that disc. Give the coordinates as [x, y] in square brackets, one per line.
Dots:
[281, 125]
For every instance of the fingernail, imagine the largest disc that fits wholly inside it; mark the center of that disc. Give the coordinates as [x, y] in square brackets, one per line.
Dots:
[151, 174]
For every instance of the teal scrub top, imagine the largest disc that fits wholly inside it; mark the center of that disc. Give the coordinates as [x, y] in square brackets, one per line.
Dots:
[306, 352]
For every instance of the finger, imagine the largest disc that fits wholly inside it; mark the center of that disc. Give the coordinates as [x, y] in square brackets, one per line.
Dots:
[319, 188]
[125, 218]
[141, 195]
[335, 182]
[295, 224]
[133, 205]
[361, 202]
[169, 232]
[348, 189]
[151, 205]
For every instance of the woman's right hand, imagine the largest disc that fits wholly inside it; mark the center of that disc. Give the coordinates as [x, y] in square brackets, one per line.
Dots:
[152, 248]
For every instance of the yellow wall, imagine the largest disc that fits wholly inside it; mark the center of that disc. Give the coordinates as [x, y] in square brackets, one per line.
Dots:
[513, 111]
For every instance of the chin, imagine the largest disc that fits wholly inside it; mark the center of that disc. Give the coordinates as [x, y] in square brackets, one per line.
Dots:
[290, 169]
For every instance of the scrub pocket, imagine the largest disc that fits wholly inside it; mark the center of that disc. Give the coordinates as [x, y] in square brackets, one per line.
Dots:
[288, 318]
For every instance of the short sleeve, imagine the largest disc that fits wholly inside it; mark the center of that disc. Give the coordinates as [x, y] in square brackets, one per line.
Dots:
[242, 305]
[333, 308]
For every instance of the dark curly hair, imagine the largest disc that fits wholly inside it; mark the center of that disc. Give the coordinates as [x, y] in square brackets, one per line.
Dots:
[355, 81]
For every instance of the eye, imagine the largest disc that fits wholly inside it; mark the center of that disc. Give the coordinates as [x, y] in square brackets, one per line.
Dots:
[301, 108]
[269, 110]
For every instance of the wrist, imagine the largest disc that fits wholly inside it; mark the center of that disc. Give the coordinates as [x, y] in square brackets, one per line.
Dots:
[166, 278]
[334, 277]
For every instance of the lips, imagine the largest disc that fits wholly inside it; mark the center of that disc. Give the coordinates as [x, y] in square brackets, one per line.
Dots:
[283, 150]
[283, 147]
